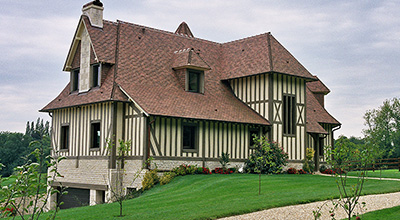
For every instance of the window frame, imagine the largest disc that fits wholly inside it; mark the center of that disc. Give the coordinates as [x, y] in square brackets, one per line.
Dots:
[96, 83]
[289, 123]
[64, 137]
[194, 137]
[200, 80]
[93, 144]
[75, 77]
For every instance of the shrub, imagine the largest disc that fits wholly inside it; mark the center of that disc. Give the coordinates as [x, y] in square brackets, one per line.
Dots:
[220, 170]
[224, 160]
[322, 168]
[150, 179]
[292, 171]
[184, 169]
[328, 171]
[267, 157]
[166, 178]
[301, 171]
[308, 164]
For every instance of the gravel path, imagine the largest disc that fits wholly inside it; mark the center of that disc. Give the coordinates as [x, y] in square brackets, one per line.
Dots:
[305, 211]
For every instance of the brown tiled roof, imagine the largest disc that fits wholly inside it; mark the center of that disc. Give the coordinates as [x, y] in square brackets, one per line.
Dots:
[145, 59]
[260, 54]
[318, 87]
[189, 58]
[317, 115]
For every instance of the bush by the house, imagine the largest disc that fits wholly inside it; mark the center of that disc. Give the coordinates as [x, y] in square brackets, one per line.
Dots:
[292, 171]
[150, 179]
[267, 157]
[301, 171]
[166, 178]
[220, 170]
[308, 164]
[184, 169]
[328, 171]
[322, 168]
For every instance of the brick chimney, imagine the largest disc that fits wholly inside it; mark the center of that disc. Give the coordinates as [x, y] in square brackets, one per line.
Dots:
[94, 10]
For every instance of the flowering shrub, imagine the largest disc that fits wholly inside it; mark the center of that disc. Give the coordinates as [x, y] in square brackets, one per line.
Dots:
[328, 171]
[184, 169]
[150, 179]
[267, 157]
[220, 170]
[301, 171]
[9, 212]
[292, 171]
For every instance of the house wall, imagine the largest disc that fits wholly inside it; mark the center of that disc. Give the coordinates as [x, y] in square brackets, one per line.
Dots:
[79, 120]
[264, 93]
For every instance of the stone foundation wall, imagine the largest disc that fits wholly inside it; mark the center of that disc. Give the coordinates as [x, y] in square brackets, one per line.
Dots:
[88, 171]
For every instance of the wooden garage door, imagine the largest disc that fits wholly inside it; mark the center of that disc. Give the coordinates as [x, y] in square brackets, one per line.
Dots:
[75, 198]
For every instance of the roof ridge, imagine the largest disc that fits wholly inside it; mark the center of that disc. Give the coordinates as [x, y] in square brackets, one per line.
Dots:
[168, 32]
[246, 38]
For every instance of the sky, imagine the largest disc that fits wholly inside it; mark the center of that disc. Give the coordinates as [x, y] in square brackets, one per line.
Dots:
[352, 46]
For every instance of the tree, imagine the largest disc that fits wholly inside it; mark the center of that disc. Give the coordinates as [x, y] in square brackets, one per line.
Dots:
[118, 191]
[28, 193]
[383, 128]
[267, 158]
[346, 156]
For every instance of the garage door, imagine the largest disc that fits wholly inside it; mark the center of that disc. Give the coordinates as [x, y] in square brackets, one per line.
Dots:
[75, 198]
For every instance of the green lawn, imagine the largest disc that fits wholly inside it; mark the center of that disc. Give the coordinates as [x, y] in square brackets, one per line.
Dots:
[212, 196]
[395, 173]
[391, 213]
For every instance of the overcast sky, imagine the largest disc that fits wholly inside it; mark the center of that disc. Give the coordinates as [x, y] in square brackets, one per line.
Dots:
[352, 46]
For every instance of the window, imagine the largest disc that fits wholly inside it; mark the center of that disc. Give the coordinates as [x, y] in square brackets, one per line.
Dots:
[194, 82]
[95, 135]
[64, 142]
[253, 132]
[75, 80]
[289, 116]
[96, 75]
[189, 136]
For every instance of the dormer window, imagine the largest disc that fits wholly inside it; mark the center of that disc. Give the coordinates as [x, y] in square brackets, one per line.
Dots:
[75, 80]
[195, 81]
[95, 75]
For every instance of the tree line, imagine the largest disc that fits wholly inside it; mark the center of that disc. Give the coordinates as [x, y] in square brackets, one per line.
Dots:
[14, 146]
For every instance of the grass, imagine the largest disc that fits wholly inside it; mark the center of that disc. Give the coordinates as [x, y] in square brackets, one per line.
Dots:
[213, 196]
[390, 213]
[394, 173]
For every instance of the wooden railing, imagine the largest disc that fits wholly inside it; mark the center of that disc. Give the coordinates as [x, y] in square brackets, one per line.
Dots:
[380, 164]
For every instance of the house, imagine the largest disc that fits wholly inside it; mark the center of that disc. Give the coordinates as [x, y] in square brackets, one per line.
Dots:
[179, 99]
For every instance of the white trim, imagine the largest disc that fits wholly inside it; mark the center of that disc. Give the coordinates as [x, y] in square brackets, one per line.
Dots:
[130, 98]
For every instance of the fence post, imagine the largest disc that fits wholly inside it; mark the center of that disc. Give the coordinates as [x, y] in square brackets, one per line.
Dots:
[399, 164]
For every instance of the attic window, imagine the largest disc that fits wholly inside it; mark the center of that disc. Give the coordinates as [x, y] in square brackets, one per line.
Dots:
[75, 80]
[195, 81]
[95, 71]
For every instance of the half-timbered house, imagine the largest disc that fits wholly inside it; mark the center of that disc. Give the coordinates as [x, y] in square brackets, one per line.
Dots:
[178, 99]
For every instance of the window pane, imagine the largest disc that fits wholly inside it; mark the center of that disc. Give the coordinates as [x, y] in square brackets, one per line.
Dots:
[193, 82]
[253, 133]
[289, 114]
[95, 135]
[64, 137]
[95, 71]
[189, 137]
[75, 80]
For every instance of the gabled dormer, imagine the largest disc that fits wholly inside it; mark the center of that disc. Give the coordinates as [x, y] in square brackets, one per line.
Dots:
[82, 61]
[189, 68]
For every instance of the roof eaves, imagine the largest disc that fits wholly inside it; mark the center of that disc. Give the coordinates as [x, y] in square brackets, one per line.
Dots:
[130, 98]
